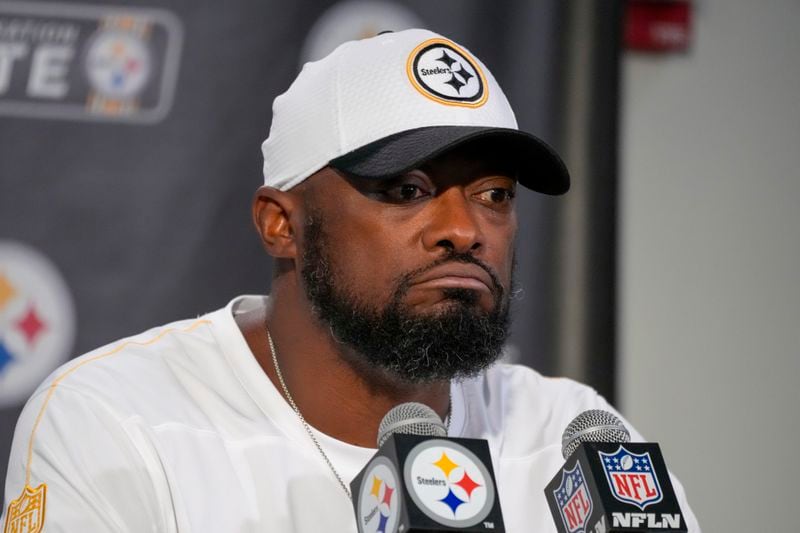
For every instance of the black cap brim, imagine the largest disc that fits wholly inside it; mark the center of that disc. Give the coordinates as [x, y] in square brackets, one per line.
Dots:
[540, 167]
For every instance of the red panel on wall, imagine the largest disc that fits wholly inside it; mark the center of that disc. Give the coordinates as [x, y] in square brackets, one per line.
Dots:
[658, 25]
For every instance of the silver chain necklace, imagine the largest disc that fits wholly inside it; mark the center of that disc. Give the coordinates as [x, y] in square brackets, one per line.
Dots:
[307, 426]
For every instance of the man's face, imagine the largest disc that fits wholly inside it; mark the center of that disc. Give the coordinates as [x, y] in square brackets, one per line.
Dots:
[414, 273]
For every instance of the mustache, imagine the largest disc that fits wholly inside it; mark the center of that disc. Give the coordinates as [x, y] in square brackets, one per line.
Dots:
[404, 281]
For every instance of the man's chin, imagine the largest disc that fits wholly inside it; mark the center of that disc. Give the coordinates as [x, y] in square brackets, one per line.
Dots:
[418, 336]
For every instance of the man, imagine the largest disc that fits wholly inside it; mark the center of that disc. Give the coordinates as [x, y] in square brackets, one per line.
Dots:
[390, 174]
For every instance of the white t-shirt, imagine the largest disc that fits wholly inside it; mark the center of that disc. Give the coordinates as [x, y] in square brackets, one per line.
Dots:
[178, 429]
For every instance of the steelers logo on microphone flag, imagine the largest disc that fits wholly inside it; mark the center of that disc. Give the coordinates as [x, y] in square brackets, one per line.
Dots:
[449, 483]
[445, 73]
[378, 499]
[574, 500]
[631, 477]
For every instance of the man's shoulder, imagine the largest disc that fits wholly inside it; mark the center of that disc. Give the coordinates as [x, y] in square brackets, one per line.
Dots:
[130, 356]
[135, 371]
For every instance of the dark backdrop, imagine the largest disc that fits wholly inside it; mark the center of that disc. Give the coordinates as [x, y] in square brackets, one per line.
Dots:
[143, 205]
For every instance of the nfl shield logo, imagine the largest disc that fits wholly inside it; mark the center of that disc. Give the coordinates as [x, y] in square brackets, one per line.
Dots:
[631, 477]
[574, 500]
[26, 513]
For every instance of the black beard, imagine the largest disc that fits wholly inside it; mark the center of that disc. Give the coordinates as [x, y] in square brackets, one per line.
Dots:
[458, 342]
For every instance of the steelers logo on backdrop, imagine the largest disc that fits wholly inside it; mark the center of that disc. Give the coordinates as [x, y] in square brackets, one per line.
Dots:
[118, 64]
[352, 20]
[446, 73]
[378, 498]
[37, 321]
[449, 483]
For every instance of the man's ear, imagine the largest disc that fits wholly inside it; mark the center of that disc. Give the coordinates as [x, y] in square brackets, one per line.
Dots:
[275, 214]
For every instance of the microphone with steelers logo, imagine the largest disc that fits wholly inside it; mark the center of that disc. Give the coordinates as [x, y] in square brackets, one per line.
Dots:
[423, 481]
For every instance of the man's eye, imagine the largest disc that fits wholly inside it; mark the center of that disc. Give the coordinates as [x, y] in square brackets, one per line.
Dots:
[405, 192]
[497, 195]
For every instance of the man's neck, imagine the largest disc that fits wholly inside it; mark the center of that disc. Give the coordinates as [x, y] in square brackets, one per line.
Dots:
[333, 394]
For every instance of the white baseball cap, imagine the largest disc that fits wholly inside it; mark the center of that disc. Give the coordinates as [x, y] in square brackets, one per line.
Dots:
[382, 106]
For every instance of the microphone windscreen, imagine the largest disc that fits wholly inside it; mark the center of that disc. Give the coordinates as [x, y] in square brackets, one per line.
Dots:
[411, 418]
[594, 425]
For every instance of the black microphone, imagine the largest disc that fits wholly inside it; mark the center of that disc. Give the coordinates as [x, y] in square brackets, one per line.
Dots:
[609, 484]
[420, 480]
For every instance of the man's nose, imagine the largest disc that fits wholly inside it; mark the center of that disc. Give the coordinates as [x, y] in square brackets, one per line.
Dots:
[454, 224]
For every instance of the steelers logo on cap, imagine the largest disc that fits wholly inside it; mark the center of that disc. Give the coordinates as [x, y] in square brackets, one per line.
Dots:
[447, 74]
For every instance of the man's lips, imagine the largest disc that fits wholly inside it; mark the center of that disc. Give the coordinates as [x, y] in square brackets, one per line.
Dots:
[456, 276]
